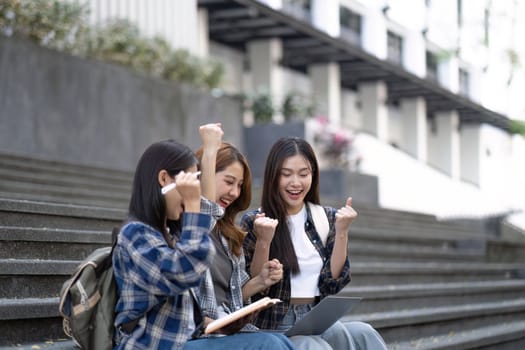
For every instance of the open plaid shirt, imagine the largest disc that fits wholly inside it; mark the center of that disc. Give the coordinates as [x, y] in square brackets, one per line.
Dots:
[154, 279]
[271, 317]
[238, 278]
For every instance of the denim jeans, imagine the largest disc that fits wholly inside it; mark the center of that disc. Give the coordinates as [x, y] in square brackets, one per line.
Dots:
[249, 341]
[347, 336]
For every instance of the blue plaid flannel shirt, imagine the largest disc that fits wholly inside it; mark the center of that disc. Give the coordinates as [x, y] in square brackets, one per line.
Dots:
[154, 279]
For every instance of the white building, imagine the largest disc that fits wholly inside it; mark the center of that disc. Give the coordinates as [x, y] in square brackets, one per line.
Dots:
[428, 77]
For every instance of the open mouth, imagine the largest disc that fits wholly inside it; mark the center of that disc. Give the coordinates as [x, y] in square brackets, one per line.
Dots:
[225, 202]
[294, 194]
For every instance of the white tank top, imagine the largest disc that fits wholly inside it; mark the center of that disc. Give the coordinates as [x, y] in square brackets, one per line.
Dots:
[304, 284]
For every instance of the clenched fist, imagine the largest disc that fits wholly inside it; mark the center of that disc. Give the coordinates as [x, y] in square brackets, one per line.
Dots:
[344, 218]
[264, 227]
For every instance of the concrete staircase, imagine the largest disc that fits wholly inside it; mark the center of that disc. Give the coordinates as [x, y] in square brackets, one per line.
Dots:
[425, 284]
[51, 181]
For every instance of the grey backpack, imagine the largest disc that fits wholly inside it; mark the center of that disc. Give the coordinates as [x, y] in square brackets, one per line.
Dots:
[88, 299]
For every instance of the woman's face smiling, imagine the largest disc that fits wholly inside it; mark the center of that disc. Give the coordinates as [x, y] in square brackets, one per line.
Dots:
[228, 184]
[295, 180]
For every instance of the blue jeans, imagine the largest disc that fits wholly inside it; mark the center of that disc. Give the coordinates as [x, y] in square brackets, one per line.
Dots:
[249, 340]
[348, 336]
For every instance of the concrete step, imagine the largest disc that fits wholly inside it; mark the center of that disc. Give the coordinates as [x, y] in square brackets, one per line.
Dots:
[60, 193]
[39, 179]
[367, 244]
[444, 239]
[48, 243]
[58, 344]
[38, 214]
[415, 230]
[60, 168]
[29, 320]
[404, 325]
[384, 251]
[53, 198]
[380, 218]
[506, 336]
[55, 177]
[394, 273]
[380, 298]
[375, 217]
[33, 278]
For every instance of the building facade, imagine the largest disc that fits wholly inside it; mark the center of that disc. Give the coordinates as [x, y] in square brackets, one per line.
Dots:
[426, 83]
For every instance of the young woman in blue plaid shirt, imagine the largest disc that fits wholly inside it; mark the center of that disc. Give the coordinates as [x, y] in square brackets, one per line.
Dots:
[284, 229]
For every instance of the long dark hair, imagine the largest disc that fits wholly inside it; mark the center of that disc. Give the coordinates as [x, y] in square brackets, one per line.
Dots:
[227, 155]
[274, 206]
[147, 204]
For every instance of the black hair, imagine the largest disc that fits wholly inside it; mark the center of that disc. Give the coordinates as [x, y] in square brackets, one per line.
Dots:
[274, 206]
[147, 204]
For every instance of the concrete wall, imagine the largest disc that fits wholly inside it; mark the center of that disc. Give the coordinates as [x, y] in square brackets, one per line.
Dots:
[261, 137]
[56, 106]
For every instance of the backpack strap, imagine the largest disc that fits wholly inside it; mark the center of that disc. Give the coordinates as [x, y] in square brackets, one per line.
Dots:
[320, 221]
[128, 327]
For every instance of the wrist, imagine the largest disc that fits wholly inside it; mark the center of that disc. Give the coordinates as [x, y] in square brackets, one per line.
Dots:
[192, 206]
[341, 235]
[262, 244]
[259, 283]
[210, 150]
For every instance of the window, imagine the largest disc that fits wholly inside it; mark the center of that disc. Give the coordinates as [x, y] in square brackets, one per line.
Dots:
[432, 66]
[464, 82]
[350, 25]
[395, 47]
[298, 8]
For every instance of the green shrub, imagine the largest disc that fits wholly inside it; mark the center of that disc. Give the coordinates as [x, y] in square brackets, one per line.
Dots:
[62, 25]
[51, 23]
[296, 106]
[119, 41]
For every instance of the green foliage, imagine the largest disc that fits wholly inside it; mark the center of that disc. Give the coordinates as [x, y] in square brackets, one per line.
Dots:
[8, 16]
[517, 127]
[262, 108]
[51, 23]
[62, 25]
[182, 66]
[297, 106]
[120, 42]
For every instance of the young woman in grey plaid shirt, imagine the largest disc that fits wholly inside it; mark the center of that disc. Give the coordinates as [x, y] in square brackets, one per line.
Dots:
[225, 179]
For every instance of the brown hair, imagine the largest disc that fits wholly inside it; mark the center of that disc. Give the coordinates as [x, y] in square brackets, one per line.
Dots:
[227, 155]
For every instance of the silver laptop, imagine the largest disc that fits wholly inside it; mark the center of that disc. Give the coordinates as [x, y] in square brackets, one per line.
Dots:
[323, 315]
